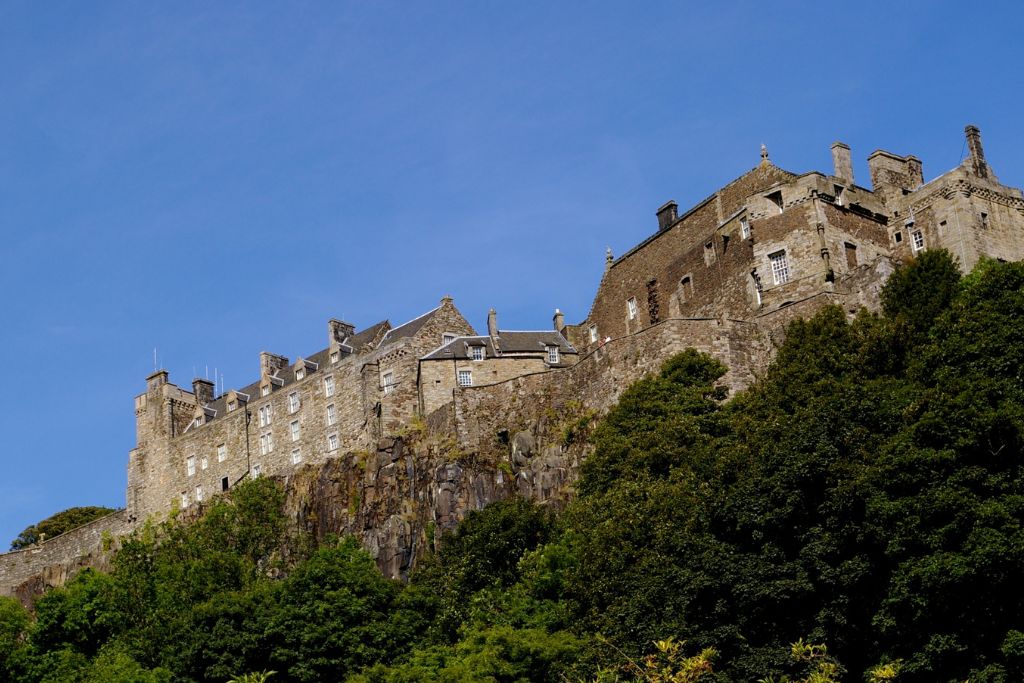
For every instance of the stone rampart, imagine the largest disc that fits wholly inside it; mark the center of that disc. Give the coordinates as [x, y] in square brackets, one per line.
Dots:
[26, 573]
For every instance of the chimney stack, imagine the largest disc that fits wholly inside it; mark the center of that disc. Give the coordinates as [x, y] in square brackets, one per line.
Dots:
[977, 153]
[492, 323]
[843, 167]
[270, 363]
[339, 330]
[667, 214]
[559, 321]
[203, 390]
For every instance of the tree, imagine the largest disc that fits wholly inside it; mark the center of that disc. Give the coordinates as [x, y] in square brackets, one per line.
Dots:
[57, 524]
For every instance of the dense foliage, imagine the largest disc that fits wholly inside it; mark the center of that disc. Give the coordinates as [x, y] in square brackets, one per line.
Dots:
[866, 495]
[57, 524]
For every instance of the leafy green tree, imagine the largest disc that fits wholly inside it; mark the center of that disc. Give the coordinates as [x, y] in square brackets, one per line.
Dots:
[14, 625]
[57, 524]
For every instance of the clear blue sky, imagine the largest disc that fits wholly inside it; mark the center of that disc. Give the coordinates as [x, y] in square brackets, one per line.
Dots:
[215, 179]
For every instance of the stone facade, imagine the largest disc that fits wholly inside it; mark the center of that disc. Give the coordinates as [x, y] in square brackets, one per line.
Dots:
[724, 277]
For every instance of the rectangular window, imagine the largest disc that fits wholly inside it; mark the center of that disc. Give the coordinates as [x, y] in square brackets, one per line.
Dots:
[744, 228]
[477, 352]
[897, 236]
[257, 470]
[204, 463]
[984, 220]
[631, 308]
[232, 405]
[266, 415]
[294, 426]
[709, 253]
[780, 267]
[184, 499]
[851, 255]
[465, 378]
[199, 494]
[328, 386]
[686, 288]
[593, 333]
[266, 443]
[265, 390]
[332, 415]
[300, 374]
[293, 401]
[223, 483]
[447, 338]
[222, 453]
[388, 382]
[553, 355]
[190, 465]
[918, 240]
[332, 442]
[296, 456]
[335, 355]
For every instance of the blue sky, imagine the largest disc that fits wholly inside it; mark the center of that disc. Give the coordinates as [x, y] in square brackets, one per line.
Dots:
[216, 179]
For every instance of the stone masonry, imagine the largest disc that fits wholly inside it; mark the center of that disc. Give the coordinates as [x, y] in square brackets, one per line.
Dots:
[724, 277]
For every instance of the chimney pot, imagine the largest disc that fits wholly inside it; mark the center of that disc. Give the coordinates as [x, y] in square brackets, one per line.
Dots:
[559, 320]
[203, 390]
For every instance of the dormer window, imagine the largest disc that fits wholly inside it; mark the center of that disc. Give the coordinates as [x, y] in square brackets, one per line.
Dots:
[476, 352]
[447, 338]
[232, 405]
[300, 374]
[265, 390]
[335, 355]
[197, 421]
[552, 355]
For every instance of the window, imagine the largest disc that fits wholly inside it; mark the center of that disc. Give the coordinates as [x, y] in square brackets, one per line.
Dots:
[851, 255]
[477, 352]
[918, 238]
[332, 415]
[199, 494]
[184, 499]
[447, 338]
[332, 442]
[266, 415]
[328, 386]
[265, 390]
[222, 453]
[296, 456]
[709, 253]
[756, 279]
[685, 289]
[294, 427]
[776, 199]
[388, 382]
[198, 421]
[593, 333]
[232, 405]
[780, 267]
[837, 191]
[744, 228]
[631, 308]
[898, 236]
[190, 465]
[223, 483]
[293, 401]
[552, 355]
[984, 220]
[465, 378]
[300, 374]
[204, 463]
[335, 355]
[257, 470]
[266, 443]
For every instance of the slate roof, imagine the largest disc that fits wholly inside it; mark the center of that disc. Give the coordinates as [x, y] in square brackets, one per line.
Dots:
[510, 341]
[410, 328]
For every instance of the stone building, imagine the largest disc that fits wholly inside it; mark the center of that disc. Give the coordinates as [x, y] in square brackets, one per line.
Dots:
[724, 276]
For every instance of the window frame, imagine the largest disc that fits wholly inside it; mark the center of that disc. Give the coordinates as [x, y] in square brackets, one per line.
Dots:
[593, 334]
[477, 352]
[295, 430]
[190, 465]
[632, 310]
[464, 378]
[553, 354]
[294, 403]
[329, 386]
[917, 241]
[222, 452]
[778, 262]
[332, 415]
[333, 443]
[387, 382]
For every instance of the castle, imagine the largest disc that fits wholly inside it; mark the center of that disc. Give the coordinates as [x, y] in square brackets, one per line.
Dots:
[724, 276]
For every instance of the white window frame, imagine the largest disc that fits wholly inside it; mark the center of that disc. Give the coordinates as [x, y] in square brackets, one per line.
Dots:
[295, 430]
[190, 465]
[387, 382]
[332, 415]
[447, 338]
[329, 386]
[266, 443]
[265, 390]
[332, 442]
[222, 452]
[184, 499]
[917, 240]
[204, 463]
[552, 355]
[266, 414]
[296, 456]
[257, 470]
[593, 334]
[465, 378]
[293, 402]
[300, 374]
[232, 406]
[631, 308]
[335, 356]
[199, 494]
[477, 353]
[779, 261]
[744, 229]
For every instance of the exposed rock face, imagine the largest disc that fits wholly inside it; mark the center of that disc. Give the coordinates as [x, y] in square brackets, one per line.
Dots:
[401, 498]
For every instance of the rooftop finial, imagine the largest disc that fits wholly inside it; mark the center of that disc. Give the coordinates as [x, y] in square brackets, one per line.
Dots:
[764, 153]
[608, 255]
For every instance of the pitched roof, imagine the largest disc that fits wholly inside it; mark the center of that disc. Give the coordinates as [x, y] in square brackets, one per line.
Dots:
[510, 342]
[410, 328]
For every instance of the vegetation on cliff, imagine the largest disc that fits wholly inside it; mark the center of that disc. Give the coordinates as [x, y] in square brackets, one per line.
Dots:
[866, 495]
[59, 523]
